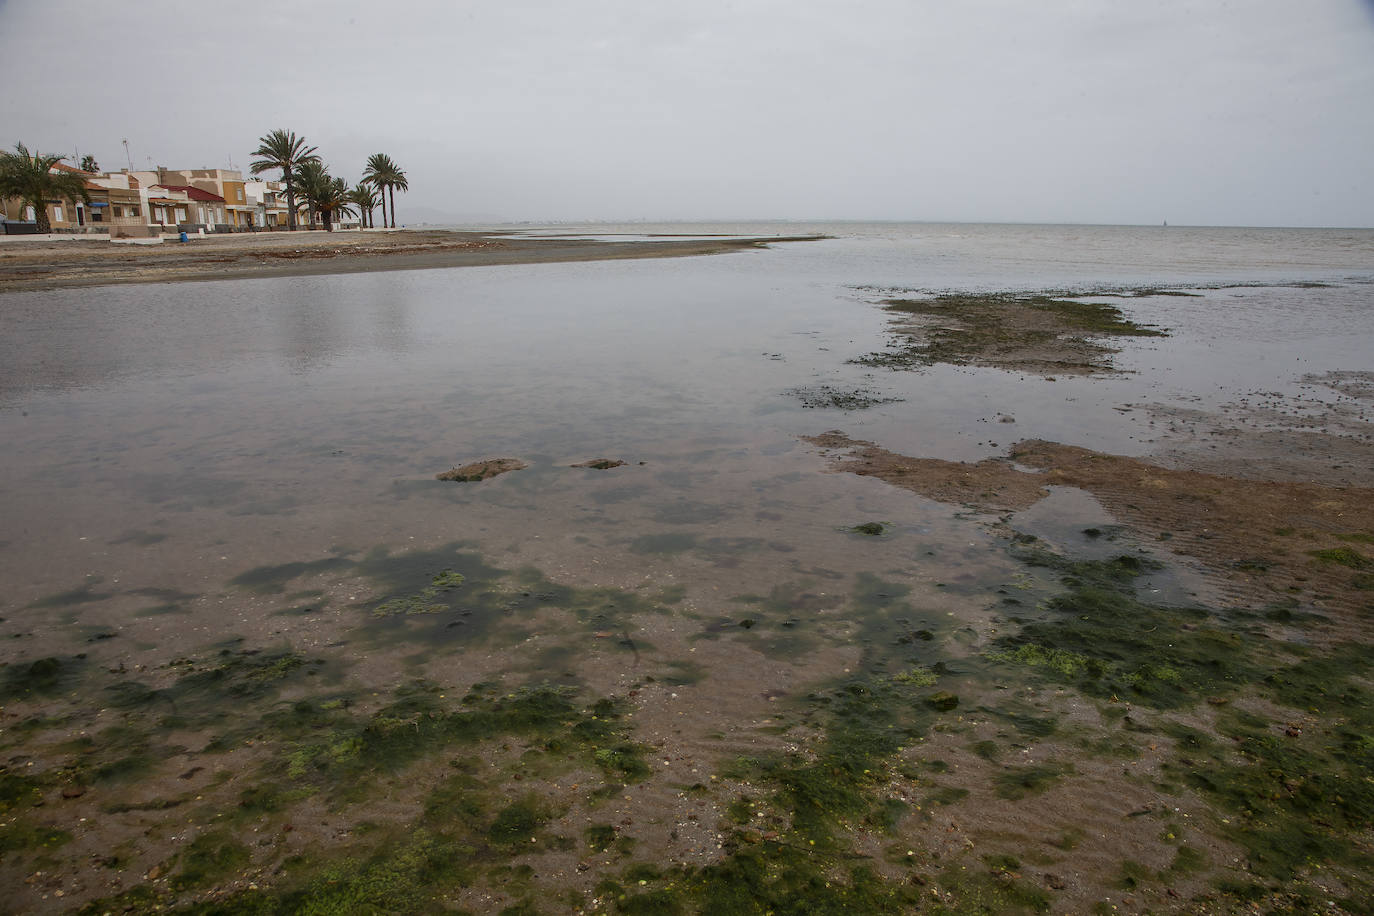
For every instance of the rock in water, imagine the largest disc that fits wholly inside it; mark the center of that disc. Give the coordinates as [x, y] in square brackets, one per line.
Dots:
[481, 470]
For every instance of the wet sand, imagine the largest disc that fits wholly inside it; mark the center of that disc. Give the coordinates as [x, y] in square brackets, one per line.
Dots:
[40, 264]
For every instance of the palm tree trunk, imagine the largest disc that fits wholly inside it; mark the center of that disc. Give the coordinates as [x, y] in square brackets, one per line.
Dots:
[382, 188]
[40, 216]
[290, 200]
[393, 206]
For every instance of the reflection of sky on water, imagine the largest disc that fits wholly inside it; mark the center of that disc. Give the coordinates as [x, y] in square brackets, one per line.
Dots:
[322, 406]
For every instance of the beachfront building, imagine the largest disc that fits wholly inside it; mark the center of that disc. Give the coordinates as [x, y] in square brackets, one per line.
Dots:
[115, 206]
[268, 202]
[204, 209]
[118, 206]
[168, 208]
[133, 203]
[226, 184]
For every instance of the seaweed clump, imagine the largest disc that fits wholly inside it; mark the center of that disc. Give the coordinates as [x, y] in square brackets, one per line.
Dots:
[1029, 332]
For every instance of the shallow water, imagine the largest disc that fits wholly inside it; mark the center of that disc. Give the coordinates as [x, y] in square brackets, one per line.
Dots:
[244, 422]
[189, 464]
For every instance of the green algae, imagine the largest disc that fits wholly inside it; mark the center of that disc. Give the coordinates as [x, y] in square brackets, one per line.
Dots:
[412, 876]
[762, 877]
[602, 837]
[335, 748]
[1294, 795]
[1016, 783]
[209, 858]
[20, 836]
[40, 677]
[623, 760]
[331, 748]
[1344, 556]
[1098, 637]
[18, 790]
[519, 821]
[992, 891]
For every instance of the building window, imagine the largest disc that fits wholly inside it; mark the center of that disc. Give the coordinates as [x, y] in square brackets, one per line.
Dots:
[97, 215]
[135, 211]
[29, 214]
[57, 214]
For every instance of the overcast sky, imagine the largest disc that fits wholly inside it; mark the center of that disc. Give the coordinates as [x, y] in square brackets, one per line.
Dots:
[1249, 112]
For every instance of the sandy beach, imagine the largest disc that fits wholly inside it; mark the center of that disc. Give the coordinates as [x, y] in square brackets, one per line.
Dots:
[34, 263]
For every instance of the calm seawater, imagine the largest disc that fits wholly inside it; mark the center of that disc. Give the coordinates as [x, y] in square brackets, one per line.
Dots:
[162, 439]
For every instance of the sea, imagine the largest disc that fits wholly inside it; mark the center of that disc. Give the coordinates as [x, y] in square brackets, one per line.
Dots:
[170, 439]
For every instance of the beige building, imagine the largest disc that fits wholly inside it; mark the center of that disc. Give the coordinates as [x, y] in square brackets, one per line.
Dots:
[226, 184]
[115, 206]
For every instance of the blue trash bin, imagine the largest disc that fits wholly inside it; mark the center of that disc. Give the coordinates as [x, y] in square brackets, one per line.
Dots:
[183, 236]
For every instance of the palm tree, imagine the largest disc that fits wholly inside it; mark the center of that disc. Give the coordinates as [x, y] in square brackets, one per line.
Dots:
[397, 180]
[335, 199]
[365, 196]
[30, 177]
[283, 150]
[379, 167]
[313, 180]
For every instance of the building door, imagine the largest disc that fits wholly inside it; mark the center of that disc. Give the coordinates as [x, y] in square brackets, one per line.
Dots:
[80, 215]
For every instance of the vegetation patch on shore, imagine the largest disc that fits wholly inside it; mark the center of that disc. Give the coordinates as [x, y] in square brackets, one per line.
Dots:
[1037, 333]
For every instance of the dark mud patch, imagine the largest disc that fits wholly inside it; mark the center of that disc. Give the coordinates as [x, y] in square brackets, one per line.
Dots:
[482, 470]
[274, 579]
[83, 594]
[839, 398]
[1263, 539]
[1039, 334]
